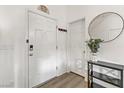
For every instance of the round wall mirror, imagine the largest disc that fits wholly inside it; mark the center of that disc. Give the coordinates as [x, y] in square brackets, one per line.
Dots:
[106, 26]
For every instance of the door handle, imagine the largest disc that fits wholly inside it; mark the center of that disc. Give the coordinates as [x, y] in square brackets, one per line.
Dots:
[31, 54]
[31, 47]
[31, 50]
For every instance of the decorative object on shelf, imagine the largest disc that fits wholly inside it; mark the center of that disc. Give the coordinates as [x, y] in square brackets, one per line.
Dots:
[94, 45]
[43, 8]
[94, 57]
[106, 26]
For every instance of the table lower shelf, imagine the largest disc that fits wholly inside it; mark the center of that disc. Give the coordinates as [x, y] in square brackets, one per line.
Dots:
[95, 85]
[106, 78]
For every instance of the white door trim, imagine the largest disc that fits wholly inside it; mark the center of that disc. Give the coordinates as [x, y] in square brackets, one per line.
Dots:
[77, 20]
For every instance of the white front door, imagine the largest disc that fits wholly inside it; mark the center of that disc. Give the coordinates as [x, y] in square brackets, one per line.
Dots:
[42, 49]
[62, 52]
[77, 49]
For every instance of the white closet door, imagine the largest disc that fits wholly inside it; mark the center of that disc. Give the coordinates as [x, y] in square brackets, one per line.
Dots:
[62, 52]
[6, 65]
[77, 33]
[7, 51]
[42, 49]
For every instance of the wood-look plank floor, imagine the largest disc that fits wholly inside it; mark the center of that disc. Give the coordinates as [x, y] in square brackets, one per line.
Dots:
[67, 80]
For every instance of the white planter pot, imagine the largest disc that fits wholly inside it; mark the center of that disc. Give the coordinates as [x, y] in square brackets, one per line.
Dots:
[94, 57]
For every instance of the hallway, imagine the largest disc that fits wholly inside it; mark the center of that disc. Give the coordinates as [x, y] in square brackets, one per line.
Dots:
[67, 80]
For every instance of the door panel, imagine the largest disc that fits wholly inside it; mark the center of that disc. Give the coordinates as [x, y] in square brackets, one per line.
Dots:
[42, 57]
[7, 58]
[6, 66]
[77, 47]
[62, 52]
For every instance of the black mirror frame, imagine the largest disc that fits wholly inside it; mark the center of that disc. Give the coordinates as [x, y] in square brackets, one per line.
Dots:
[106, 13]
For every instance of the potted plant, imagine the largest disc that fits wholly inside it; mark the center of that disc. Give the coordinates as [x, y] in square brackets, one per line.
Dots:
[94, 45]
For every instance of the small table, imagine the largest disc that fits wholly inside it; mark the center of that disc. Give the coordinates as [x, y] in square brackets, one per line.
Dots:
[118, 82]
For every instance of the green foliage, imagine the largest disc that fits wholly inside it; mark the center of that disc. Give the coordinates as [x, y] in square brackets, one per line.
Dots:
[94, 44]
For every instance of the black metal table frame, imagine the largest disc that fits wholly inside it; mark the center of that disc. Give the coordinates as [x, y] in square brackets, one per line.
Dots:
[90, 73]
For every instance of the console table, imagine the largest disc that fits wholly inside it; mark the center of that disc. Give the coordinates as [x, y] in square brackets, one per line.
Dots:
[118, 82]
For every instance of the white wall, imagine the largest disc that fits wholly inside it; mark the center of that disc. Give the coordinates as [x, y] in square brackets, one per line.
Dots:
[112, 51]
[59, 12]
[13, 29]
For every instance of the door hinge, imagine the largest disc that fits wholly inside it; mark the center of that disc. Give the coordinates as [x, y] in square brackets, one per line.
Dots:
[56, 26]
[27, 41]
[56, 47]
[56, 68]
